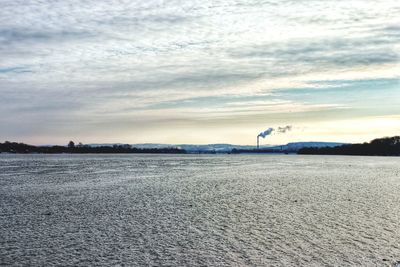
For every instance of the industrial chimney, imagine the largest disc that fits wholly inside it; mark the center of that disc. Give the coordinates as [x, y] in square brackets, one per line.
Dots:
[263, 135]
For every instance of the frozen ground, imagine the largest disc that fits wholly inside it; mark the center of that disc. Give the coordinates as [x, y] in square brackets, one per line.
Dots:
[225, 210]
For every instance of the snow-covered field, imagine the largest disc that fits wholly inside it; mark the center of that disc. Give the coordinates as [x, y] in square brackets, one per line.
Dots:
[225, 210]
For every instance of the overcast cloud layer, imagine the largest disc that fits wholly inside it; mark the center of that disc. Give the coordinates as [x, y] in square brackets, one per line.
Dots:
[198, 71]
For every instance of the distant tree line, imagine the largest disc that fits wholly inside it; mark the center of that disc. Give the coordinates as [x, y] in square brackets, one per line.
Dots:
[13, 147]
[388, 146]
[260, 151]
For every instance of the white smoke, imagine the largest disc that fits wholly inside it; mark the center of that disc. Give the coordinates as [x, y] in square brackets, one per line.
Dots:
[284, 129]
[279, 130]
[266, 132]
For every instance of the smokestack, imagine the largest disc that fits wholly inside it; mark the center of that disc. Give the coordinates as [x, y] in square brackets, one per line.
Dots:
[279, 130]
[263, 135]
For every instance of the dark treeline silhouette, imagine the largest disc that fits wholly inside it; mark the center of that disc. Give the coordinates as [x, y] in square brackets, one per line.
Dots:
[260, 151]
[388, 146]
[12, 147]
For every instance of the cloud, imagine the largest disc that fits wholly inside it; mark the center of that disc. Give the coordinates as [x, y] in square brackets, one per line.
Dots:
[10, 37]
[108, 60]
[14, 70]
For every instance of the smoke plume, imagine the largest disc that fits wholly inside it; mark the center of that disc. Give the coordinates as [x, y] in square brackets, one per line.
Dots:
[284, 129]
[279, 130]
[266, 132]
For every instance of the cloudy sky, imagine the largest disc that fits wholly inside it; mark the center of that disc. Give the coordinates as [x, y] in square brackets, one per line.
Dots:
[198, 71]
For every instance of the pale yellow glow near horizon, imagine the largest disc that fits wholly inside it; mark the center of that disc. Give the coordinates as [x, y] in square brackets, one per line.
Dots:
[357, 130]
[198, 71]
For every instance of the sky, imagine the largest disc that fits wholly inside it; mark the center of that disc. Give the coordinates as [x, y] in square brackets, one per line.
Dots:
[97, 71]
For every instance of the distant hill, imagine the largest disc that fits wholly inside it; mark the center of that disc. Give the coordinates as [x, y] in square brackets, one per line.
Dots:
[208, 148]
[21, 148]
[299, 145]
[226, 148]
[288, 148]
[388, 146]
[12, 147]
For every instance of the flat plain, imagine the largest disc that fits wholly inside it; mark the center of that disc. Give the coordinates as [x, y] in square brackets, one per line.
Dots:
[196, 210]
